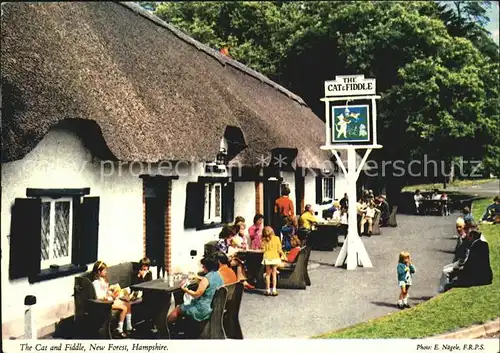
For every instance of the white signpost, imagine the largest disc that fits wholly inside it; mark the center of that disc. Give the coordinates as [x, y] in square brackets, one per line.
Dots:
[351, 128]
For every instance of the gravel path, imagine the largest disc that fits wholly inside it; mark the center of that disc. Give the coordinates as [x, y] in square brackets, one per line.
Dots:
[339, 298]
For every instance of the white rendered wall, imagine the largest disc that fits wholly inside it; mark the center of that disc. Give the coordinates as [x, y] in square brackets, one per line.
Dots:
[60, 160]
[185, 240]
[244, 203]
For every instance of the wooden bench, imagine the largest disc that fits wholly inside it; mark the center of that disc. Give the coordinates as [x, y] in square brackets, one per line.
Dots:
[95, 318]
[231, 323]
[295, 277]
[392, 217]
[376, 223]
[224, 321]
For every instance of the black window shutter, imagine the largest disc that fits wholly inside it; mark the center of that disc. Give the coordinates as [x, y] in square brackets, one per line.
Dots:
[228, 203]
[319, 190]
[25, 238]
[333, 187]
[195, 198]
[89, 227]
[75, 250]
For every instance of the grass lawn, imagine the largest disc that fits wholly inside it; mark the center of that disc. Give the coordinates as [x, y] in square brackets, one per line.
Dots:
[460, 307]
[456, 183]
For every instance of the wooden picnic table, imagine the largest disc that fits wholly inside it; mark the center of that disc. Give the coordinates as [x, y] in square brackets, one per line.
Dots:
[253, 263]
[429, 206]
[157, 296]
[324, 236]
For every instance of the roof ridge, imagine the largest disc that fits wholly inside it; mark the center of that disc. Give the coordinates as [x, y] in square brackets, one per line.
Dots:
[224, 60]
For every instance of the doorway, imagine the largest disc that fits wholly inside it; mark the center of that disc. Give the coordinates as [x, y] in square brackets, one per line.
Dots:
[271, 193]
[155, 203]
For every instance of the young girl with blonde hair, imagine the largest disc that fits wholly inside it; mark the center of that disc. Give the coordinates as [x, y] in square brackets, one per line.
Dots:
[106, 292]
[273, 254]
[405, 270]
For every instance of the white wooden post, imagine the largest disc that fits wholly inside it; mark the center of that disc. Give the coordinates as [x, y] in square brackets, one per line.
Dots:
[353, 251]
[30, 331]
[353, 248]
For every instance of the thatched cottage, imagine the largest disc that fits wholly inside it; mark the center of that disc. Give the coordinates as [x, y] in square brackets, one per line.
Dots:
[123, 137]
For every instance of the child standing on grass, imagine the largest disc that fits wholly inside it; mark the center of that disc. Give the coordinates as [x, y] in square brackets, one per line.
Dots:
[405, 270]
[273, 254]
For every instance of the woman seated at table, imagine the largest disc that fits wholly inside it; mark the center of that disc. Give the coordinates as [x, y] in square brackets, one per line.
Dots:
[292, 254]
[200, 308]
[225, 241]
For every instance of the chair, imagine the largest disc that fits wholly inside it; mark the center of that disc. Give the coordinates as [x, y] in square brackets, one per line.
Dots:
[232, 327]
[212, 328]
[392, 217]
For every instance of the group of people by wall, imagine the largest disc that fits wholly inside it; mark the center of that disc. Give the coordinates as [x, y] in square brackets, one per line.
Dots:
[436, 195]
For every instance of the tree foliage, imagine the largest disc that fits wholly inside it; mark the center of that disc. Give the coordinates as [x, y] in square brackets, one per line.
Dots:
[468, 19]
[439, 86]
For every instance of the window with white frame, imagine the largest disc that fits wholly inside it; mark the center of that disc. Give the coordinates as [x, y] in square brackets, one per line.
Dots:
[57, 224]
[327, 188]
[213, 203]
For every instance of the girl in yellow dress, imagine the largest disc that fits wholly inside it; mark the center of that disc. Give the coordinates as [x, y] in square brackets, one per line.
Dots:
[273, 254]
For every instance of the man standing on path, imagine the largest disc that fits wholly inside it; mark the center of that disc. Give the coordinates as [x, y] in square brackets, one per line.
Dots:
[283, 208]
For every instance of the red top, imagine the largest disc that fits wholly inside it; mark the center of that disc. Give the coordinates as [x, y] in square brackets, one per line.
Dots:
[284, 206]
[292, 255]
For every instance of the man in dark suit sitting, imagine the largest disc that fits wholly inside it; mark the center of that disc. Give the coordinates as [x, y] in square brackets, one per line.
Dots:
[476, 270]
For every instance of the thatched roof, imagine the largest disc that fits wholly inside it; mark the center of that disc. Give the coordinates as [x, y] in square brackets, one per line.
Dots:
[155, 93]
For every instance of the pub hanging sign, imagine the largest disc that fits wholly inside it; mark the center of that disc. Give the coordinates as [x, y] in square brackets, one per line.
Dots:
[350, 123]
[351, 85]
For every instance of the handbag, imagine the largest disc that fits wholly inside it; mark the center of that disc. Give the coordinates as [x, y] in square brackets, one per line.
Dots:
[187, 297]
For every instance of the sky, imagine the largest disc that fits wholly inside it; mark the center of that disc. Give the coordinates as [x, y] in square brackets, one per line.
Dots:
[493, 24]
